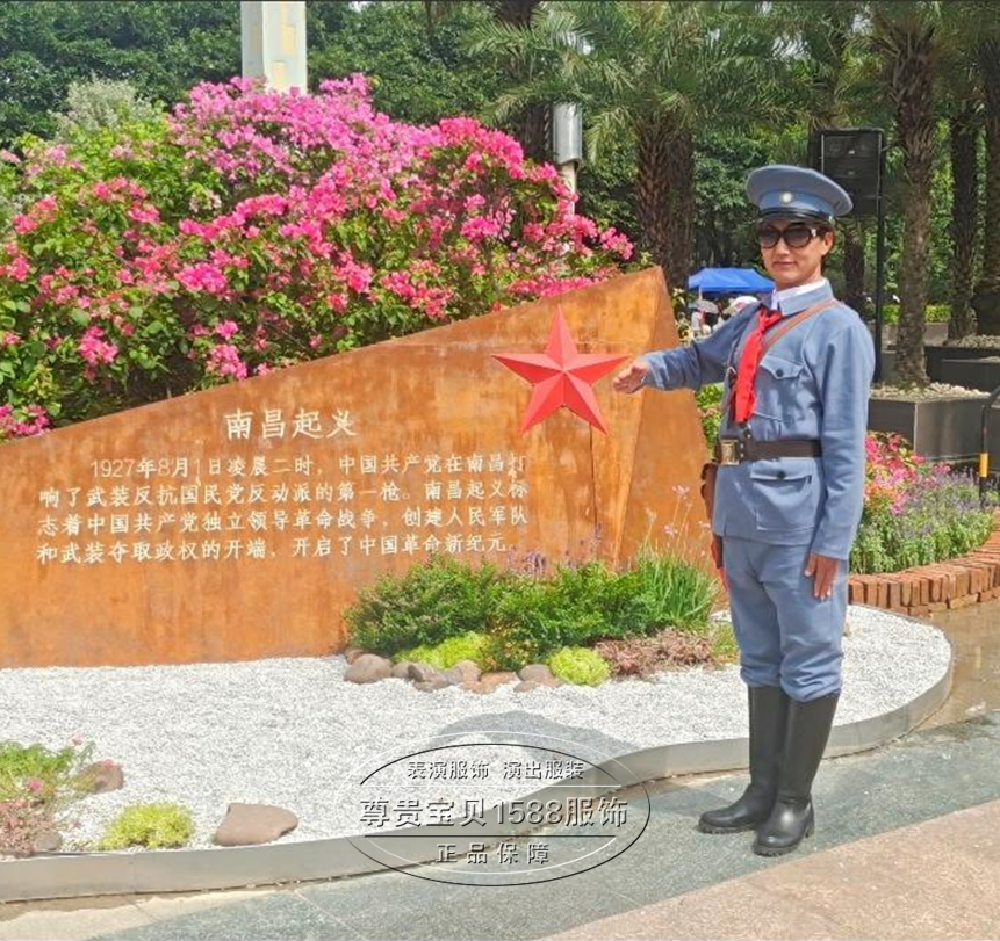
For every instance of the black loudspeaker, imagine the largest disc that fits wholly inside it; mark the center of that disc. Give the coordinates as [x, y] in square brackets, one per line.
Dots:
[855, 160]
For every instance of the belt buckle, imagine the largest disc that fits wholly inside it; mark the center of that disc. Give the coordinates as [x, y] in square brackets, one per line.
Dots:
[729, 451]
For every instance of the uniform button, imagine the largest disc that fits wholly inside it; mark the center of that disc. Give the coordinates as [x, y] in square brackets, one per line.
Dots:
[781, 475]
[779, 372]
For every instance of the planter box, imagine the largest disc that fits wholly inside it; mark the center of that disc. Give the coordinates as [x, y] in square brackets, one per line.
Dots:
[940, 429]
[936, 356]
[973, 374]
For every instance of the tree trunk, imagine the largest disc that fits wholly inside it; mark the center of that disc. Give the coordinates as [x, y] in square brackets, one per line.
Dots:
[854, 265]
[987, 299]
[963, 132]
[990, 61]
[908, 57]
[680, 208]
[653, 197]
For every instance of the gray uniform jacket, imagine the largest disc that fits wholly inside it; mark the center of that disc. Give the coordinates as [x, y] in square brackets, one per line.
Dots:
[813, 383]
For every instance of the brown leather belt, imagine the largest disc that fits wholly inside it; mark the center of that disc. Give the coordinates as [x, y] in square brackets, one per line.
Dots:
[738, 450]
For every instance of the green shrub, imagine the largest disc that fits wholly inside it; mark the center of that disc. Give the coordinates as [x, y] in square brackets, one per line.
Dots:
[48, 772]
[431, 602]
[156, 826]
[579, 665]
[709, 399]
[471, 646]
[444, 611]
[677, 593]
[935, 313]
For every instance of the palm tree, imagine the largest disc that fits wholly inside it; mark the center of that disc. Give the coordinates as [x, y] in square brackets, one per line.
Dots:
[530, 126]
[907, 39]
[964, 111]
[656, 72]
[982, 22]
[830, 90]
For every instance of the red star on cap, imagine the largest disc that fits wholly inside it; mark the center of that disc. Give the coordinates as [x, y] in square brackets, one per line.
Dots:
[561, 377]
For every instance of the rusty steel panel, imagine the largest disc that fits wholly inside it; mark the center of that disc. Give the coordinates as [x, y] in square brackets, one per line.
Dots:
[238, 523]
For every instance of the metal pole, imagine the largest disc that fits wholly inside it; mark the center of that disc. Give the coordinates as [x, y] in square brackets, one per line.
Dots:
[984, 447]
[880, 265]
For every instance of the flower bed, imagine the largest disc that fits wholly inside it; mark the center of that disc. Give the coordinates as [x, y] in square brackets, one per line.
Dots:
[927, 589]
[248, 231]
[584, 622]
[916, 512]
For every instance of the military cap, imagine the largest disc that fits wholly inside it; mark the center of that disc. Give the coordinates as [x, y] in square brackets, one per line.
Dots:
[796, 191]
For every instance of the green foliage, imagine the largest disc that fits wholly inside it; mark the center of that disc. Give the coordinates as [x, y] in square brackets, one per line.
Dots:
[431, 602]
[471, 646]
[101, 103]
[709, 400]
[504, 620]
[677, 594]
[579, 665]
[38, 770]
[162, 49]
[420, 71]
[156, 826]
[936, 313]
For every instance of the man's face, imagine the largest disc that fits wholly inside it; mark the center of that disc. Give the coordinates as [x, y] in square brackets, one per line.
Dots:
[800, 262]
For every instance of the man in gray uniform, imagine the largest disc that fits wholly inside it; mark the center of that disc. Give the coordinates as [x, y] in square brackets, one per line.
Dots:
[789, 492]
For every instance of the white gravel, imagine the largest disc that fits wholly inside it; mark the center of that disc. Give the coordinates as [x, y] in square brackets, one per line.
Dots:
[291, 732]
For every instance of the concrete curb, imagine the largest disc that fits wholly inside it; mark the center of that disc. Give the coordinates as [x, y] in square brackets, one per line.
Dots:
[86, 875]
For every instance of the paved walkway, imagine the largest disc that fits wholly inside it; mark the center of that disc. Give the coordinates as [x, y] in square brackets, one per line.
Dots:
[907, 846]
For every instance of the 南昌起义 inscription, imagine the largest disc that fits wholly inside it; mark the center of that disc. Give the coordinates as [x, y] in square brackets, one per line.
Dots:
[185, 508]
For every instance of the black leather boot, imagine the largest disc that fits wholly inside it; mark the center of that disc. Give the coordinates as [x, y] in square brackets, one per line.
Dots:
[768, 707]
[791, 819]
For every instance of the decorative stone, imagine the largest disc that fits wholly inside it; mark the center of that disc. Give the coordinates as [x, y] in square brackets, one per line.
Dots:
[490, 681]
[453, 675]
[102, 776]
[253, 824]
[526, 686]
[423, 672]
[48, 841]
[401, 671]
[428, 686]
[538, 673]
[352, 653]
[368, 668]
[469, 669]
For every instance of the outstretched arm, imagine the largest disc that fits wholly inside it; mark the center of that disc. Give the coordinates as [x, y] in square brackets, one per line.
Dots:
[701, 363]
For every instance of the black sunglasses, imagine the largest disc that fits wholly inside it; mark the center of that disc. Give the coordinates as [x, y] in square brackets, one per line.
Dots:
[796, 235]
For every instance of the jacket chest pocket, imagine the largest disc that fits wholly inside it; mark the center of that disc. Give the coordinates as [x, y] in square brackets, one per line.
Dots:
[784, 497]
[779, 388]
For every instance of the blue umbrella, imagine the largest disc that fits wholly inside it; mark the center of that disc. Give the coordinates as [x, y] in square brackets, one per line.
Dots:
[729, 281]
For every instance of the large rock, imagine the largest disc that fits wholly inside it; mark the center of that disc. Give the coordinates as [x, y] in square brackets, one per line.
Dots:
[368, 668]
[353, 653]
[537, 673]
[423, 672]
[47, 841]
[490, 681]
[253, 824]
[101, 776]
[469, 669]
[401, 671]
[428, 686]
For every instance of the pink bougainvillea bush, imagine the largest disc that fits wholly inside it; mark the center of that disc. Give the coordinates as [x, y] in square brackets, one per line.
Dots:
[249, 230]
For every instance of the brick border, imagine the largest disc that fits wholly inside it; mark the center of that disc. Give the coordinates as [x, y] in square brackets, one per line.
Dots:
[926, 589]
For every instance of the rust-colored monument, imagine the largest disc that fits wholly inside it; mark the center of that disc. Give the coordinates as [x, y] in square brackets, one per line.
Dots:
[238, 523]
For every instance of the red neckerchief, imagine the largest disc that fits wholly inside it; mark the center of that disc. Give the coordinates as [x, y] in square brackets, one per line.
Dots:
[745, 397]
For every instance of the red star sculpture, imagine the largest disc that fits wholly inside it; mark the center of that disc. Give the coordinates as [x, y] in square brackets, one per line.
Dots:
[561, 377]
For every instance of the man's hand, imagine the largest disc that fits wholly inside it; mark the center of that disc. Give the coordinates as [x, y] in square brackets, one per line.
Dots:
[823, 570]
[630, 379]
